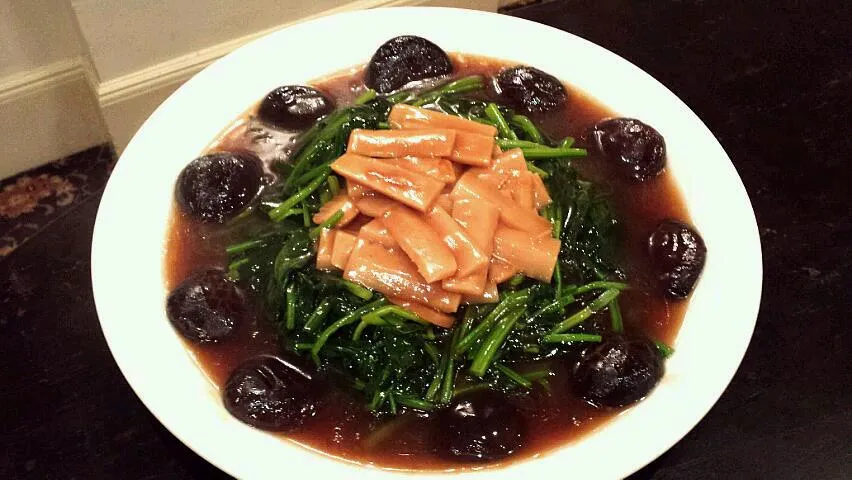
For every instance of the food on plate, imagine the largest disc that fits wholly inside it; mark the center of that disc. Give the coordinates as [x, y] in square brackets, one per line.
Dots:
[435, 261]
[637, 147]
[618, 371]
[272, 393]
[530, 89]
[217, 186]
[678, 254]
[294, 107]
[403, 60]
[207, 306]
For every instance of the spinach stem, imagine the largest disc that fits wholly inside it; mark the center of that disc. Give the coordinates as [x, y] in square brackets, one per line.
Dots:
[305, 156]
[462, 85]
[245, 246]
[329, 222]
[513, 375]
[557, 285]
[534, 150]
[365, 97]
[356, 335]
[447, 370]
[392, 403]
[554, 214]
[234, 268]
[506, 143]
[552, 307]
[534, 375]
[449, 382]
[277, 213]
[375, 315]
[290, 314]
[415, 403]
[547, 152]
[510, 301]
[426, 99]
[313, 173]
[571, 337]
[593, 307]
[359, 291]
[600, 285]
[615, 316]
[538, 171]
[528, 127]
[665, 350]
[475, 387]
[316, 318]
[438, 379]
[342, 322]
[433, 352]
[306, 216]
[485, 356]
[333, 185]
[469, 316]
[484, 121]
[324, 194]
[503, 129]
[566, 142]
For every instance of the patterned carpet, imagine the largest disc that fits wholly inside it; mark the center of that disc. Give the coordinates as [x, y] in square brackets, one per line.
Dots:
[32, 200]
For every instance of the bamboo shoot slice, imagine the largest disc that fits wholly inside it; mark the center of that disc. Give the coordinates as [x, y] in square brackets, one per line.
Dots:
[406, 116]
[341, 201]
[403, 185]
[471, 187]
[469, 257]
[534, 256]
[438, 168]
[435, 261]
[499, 271]
[375, 231]
[324, 248]
[344, 243]
[391, 273]
[431, 142]
[472, 149]
[489, 295]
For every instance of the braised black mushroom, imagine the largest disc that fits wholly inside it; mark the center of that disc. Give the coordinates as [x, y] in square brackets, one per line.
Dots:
[480, 426]
[272, 393]
[405, 59]
[677, 254]
[207, 306]
[294, 107]
[619, 371]
[215, 187]
[530, 89]
[634, 145]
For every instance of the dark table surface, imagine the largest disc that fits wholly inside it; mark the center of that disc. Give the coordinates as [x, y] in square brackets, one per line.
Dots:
[771, 79]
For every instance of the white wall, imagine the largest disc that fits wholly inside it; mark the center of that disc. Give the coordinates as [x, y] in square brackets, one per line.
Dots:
[155, 31]
[163, 43]
[35, 33]
[75, 73]
[48, 106]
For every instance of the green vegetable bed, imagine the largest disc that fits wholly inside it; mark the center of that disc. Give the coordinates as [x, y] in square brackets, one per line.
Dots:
[393, 358]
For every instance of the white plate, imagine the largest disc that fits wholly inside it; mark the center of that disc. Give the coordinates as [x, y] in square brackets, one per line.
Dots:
[127, 250]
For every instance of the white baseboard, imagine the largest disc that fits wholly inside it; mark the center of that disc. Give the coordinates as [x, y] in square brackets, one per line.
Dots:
[128, 100]
[48, 113]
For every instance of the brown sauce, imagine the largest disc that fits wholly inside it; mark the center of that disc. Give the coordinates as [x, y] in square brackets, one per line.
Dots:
[344, 428]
